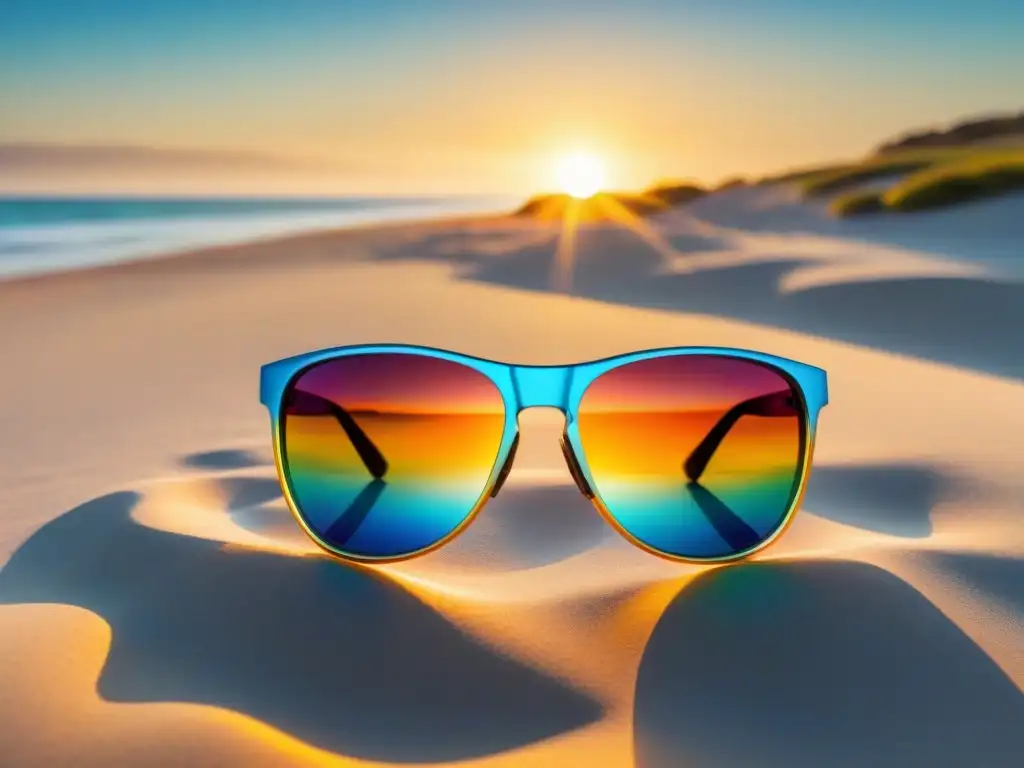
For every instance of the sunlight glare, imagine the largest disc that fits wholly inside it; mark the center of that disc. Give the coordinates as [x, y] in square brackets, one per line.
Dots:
[581, 175]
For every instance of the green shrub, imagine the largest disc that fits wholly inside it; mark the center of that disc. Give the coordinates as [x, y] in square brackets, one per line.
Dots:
[799, 175]
[858, 203]
[674, 193]
[731, 183]
[957, 183]
[835, 181]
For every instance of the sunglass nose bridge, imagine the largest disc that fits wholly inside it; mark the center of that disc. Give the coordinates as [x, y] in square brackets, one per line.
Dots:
[541, 386]
[574, 467]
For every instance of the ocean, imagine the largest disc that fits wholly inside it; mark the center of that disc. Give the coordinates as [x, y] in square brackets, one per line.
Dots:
[45, 234]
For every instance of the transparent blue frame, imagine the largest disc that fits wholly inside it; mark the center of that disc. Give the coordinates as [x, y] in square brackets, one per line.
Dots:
[550, 386]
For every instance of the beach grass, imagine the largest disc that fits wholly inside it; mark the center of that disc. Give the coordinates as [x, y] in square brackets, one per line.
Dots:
[733, 182]
[857, 203]
[949, 184]
[554, 207]
[799, 175]
[951, 177]
[839, 178]
[674, 192]
[658, 197]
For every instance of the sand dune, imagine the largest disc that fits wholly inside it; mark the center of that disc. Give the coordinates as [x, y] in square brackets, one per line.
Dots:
[770, 650]
[987, 232]
[158, 606]
[964, 312]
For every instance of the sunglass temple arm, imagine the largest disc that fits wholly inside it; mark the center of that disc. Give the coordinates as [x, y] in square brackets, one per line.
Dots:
[774, 404]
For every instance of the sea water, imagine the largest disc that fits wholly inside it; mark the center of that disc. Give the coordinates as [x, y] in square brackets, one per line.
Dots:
[44, 234]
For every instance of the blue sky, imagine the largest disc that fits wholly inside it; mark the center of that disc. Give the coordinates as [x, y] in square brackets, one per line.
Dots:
[455, 94]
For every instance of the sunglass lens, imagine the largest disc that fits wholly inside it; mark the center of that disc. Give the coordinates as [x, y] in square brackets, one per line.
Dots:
[695, 456]
[387, 454]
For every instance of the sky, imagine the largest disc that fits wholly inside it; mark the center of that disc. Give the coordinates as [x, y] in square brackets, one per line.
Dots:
[452, 96]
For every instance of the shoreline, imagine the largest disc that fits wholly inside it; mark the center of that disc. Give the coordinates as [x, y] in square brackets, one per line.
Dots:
[253, 247]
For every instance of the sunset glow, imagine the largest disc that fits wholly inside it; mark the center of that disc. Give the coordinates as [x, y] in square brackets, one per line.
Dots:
[581, 175]
[357, 99]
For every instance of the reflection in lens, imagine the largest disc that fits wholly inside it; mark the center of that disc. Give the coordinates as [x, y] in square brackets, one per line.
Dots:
[697, 456]
[387, 454]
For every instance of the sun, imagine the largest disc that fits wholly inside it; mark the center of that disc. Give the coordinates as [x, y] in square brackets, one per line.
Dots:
[581, 175]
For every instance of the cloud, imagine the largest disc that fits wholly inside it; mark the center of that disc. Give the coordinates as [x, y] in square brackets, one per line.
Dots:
[50, 168]
[31, 157]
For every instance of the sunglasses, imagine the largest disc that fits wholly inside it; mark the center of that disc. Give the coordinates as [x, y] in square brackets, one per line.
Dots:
[696, 454]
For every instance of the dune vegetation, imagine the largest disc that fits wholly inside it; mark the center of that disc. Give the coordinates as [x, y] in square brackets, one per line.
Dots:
[927, 169]
[857, 203]
[970, 132]
[981, 177]
[605, 206]
[839, 178]
[952, 176]
[731, 183]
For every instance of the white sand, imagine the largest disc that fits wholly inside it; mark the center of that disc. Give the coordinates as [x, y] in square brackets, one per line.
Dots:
[160, 607]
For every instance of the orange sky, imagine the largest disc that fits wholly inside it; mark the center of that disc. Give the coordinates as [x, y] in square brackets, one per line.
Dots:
[455, 96]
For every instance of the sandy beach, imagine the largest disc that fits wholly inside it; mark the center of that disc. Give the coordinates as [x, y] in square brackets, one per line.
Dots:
[159, 606]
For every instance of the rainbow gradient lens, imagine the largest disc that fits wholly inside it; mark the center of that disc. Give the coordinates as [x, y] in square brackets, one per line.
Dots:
[388, 454]
[695, 456]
